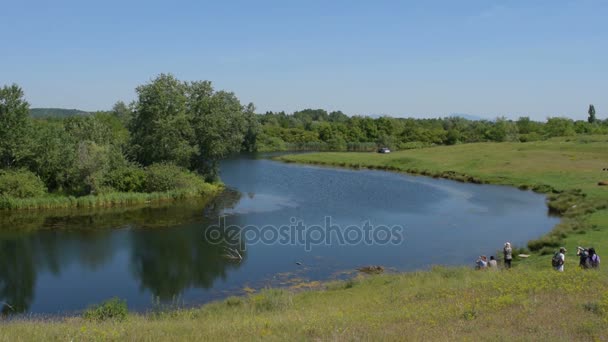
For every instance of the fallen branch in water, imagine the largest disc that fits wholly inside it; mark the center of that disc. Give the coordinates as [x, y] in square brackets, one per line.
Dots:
[233, 254]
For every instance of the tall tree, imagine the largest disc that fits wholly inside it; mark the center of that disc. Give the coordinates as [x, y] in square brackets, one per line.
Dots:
[218, 125]
[591, 113]
[14, 126]
[160, 130]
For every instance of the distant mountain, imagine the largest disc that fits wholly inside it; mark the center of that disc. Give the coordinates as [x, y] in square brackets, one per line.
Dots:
[55, 112]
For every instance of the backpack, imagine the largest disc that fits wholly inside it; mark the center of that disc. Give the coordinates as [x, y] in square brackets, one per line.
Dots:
[594, 261]
[556, 261]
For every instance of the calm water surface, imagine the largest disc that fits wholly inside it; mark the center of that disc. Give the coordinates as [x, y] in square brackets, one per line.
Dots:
[62, 262]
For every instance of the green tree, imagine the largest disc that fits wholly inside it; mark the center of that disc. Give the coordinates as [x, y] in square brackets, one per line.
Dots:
[559, 127]
[15, 129]
[591, 113]
[218, 126]
[252, 129]
[160, 129]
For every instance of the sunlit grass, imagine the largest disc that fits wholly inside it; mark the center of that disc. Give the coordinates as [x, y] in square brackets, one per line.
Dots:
[529, 302]
[441, 304]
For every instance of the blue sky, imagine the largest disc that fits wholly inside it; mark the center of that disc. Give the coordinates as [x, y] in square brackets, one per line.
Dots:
[401, 58]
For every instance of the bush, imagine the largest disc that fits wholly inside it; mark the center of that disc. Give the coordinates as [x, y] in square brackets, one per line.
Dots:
[167, 177]
[20, 184]
[128, 178]
[115, 309]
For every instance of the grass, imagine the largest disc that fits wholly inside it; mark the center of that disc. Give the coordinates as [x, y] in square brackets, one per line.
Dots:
[530, 302]
[567, 169]
[115, 199]
[441, 304]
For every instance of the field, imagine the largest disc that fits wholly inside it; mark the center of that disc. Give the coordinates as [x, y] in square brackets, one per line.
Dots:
[530, 302]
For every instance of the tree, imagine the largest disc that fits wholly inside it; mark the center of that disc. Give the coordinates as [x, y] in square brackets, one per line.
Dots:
[15, 126]
[160, 129]
[252, 129]
[122, 112]
[218, 123]
[591, 112]
[559, 127]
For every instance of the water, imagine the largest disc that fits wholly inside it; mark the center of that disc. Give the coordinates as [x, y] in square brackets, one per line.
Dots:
[63, 261]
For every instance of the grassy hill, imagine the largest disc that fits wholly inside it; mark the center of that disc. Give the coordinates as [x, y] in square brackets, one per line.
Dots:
[55, 112]
[529, 302]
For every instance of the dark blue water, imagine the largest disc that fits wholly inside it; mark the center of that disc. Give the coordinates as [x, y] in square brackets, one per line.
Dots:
[63, 262]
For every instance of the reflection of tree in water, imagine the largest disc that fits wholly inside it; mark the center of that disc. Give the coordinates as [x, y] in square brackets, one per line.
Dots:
[167, 263]
[17, 275]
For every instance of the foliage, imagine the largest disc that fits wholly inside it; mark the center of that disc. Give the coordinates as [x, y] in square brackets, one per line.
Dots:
[20, 184]
[591, 113]
[112, 309]
[14, 126]
[312, 129]
[165, 177]
[126, 178]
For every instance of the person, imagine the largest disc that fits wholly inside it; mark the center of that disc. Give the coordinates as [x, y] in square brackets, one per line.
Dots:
[492, 263]
[481, 263]
[583, 255]
[593, 259]
[508, 253]
[559, 259]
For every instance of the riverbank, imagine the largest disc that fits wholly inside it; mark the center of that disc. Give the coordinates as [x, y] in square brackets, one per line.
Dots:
[115, 199]
[440, 304]
[567, 170]
[530, 302]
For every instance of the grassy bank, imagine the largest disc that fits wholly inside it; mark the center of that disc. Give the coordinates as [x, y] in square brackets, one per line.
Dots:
[568, 170]
[529, 302]
[441, 304]
[107, 200]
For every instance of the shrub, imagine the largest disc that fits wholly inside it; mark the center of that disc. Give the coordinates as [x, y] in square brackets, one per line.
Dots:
[166, 177]
[128, 178]
[20, 184]
[115, 309]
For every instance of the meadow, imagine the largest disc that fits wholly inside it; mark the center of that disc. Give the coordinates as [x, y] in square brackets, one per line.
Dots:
[529, 302]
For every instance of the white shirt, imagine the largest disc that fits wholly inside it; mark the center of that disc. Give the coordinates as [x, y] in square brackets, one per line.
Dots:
[561, 267]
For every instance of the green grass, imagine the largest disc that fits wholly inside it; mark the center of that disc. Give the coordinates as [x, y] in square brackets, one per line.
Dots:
[441, 304]
[568, 170]
[530, 302]
[105, 200]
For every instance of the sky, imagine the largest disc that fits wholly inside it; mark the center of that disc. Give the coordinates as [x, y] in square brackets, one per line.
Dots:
[401, 58]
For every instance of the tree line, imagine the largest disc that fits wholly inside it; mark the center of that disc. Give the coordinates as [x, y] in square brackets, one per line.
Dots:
[175, 132]
[316, 129]
[171, 137]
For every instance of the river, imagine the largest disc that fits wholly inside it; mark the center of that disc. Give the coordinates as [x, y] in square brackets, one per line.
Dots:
[60, 262]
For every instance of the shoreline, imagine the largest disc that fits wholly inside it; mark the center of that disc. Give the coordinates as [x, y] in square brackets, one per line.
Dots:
[570, 205]
[110, 200]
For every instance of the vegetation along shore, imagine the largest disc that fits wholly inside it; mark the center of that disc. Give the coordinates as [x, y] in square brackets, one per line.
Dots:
[528, 302]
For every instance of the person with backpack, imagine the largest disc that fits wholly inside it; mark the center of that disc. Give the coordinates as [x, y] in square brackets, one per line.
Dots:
[508, 254]
[583, 255]
[593, 259]
[558, 260]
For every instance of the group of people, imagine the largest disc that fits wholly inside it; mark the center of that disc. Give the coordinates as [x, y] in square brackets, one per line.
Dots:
[588, 258]
[483, 262]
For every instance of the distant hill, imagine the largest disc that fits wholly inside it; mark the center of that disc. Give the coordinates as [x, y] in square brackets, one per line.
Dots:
[55, 112]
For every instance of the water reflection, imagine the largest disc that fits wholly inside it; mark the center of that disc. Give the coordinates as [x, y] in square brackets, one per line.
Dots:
[163, 264]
